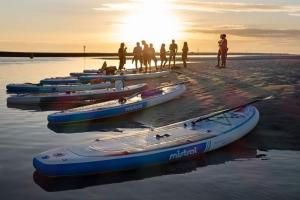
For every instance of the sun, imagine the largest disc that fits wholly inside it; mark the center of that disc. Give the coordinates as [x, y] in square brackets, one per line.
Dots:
[150, 20]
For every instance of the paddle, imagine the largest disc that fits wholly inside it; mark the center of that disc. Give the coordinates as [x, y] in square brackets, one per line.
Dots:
[231, 109]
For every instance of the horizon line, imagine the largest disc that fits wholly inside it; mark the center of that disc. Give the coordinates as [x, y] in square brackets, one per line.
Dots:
[92, 54]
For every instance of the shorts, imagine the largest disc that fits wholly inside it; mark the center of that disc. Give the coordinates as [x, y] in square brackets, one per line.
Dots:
[163, 57]
[172, 55]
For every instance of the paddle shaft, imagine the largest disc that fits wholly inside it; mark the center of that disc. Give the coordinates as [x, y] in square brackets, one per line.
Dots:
[231, 109]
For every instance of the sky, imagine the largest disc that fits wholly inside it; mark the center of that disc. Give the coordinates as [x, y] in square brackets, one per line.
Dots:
[271, 26]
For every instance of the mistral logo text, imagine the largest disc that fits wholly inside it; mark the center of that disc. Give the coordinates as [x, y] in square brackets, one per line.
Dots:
[183, 153]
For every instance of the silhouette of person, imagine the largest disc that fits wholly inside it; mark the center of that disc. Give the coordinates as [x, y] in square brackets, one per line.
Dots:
[145, 55]
[185, 50]
[219, 50]
[138, 55]
[122, 56]
[104, 66]
[163, 56]
[224, 50]
[173, 51]
[152, 56]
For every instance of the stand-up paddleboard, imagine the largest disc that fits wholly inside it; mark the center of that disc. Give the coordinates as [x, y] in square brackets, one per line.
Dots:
[59, 80]
[152, 147]
[125, 76]
[118, 107]
[76, 96]
[38, 88]
[78, 74]
[98, 72]
[95, 71]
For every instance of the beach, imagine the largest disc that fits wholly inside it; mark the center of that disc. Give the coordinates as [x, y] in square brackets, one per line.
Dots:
[263, 165]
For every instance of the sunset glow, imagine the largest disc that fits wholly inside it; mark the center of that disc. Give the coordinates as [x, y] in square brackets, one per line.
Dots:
[100, 25]
[152, 21]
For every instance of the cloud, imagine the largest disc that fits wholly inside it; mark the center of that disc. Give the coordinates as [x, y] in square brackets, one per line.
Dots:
[295, 14]
[250, 32]
[115, 6]
[119, 5]
[232, 7]
[206, 6]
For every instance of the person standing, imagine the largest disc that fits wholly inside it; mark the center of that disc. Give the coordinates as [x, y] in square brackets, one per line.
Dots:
[137, 55]
[163, 56]
[224, 50]
[152, 56]
[219, 51]
[173, 51]
[122, 56]
[145, 55]
[185, 50]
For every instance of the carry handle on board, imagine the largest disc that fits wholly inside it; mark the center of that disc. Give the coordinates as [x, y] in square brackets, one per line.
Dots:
[257, 99]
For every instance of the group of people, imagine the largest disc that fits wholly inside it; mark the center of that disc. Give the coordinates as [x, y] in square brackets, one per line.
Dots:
[144, 55]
